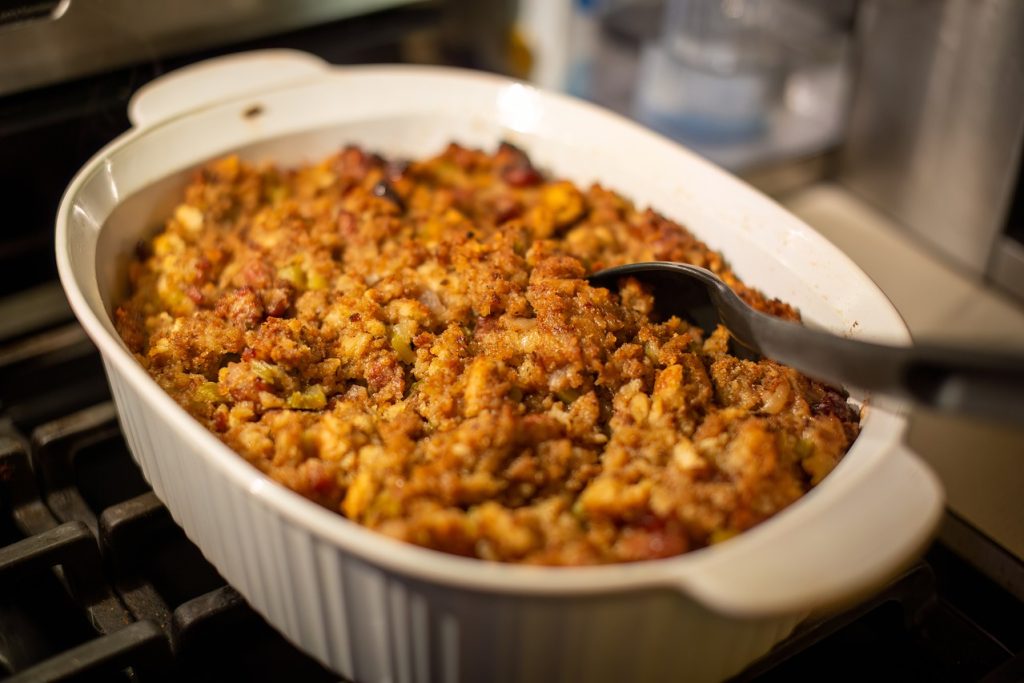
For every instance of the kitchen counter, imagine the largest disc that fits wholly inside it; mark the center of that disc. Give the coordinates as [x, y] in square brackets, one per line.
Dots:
[980, 464]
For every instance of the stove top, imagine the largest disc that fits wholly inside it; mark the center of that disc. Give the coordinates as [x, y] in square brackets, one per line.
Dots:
[98, 583]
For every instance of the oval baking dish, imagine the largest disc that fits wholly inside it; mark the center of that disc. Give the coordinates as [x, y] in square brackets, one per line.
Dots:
[374, 609]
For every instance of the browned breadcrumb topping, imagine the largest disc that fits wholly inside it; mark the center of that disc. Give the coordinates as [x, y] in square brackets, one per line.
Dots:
[414, 345]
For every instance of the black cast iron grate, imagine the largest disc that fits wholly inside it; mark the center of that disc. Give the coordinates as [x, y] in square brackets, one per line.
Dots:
[97, 583]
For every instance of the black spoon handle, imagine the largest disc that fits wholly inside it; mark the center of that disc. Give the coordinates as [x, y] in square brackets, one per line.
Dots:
[980, 383]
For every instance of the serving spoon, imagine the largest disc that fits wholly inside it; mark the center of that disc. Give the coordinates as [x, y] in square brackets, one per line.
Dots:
[981, 383]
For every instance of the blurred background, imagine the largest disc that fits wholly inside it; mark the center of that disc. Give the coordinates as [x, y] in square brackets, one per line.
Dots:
[894, 127]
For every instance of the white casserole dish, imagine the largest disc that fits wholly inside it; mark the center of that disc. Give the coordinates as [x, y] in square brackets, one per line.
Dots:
[374, 609]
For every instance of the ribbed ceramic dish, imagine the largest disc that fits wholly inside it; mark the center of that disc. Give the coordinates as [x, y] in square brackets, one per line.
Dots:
[376, 610]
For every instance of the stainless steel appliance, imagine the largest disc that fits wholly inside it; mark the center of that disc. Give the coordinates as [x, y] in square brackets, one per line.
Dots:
[96, 581]
[936, 131]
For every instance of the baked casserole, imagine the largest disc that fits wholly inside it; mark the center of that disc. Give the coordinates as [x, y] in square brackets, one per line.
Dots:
[415, 345]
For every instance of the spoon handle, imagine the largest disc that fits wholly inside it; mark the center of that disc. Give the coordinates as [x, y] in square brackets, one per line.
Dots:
[972, 382]
[981, 383]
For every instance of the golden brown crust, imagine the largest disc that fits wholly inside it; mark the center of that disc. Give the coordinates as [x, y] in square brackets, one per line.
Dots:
[415, 346]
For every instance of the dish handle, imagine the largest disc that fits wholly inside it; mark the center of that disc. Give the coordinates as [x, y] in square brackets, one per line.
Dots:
[852, 545]
[219, 80]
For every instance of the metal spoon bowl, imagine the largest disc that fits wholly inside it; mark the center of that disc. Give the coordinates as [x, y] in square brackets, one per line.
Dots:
[981, 383]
